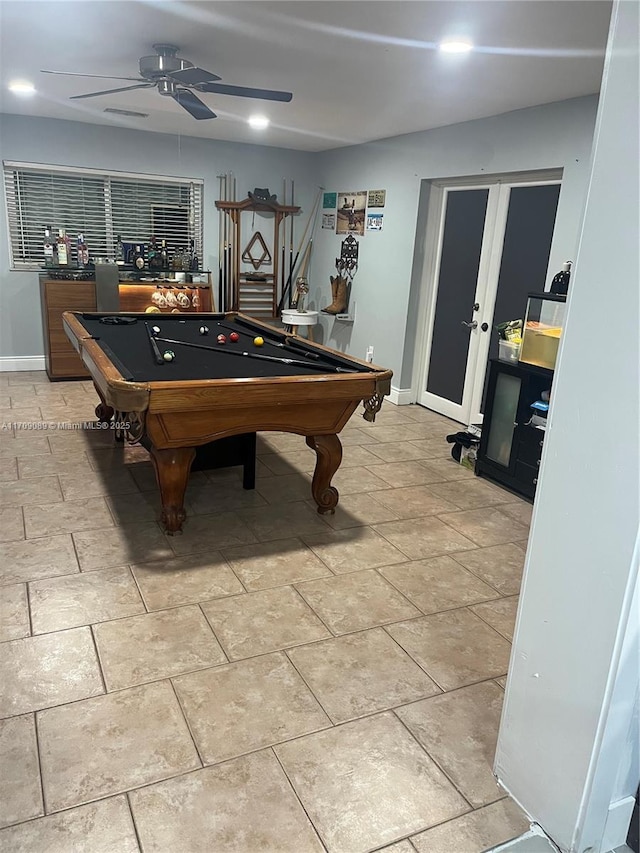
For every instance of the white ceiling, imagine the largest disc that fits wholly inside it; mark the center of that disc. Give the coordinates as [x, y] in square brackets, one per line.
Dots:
[358, 70]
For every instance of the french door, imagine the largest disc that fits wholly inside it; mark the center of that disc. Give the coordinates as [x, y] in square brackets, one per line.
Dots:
[488, 247]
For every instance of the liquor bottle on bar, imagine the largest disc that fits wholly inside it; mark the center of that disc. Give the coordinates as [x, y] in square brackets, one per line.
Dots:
[119, 253]
[49, 251]
[195, 263]
[63, 250]
[187, 255]
[138, 258]
[153, 255]
[83, 252]
[164, 258]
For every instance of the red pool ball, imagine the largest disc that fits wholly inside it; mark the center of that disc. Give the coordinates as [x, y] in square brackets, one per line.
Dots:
[234, 336]
[222, 339]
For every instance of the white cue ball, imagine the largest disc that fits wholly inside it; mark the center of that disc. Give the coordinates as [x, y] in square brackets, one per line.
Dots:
[204, 330]
[168, 356]
[156, 330]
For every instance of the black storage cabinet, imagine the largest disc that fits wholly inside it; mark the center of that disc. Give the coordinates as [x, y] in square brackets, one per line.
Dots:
[510, 448]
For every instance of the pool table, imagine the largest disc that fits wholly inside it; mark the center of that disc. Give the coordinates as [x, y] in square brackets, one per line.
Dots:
[209, 390]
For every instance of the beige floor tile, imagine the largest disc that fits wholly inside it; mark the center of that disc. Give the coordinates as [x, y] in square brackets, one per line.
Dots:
[41, 466]
[502, 682]
[66, 517]
[354, 435]
[212, 532]
[500, 614]
[281, 442]
[400, 474]
[146, 648]
[353, 481]
[40, 490]
[260, 622]
[31, 559]
[361, 674]
[285, 489]
[449, 469]
[368, 783]
[472, 833]
[25, 444]
[455, 647]
[143, 506]
[11, 524]
[38, 672]
[211, 496]
[459, 730]
[384, 434]
[280, 522]
[295, 461]
[432, 448]
[242, 805]
[520, 510]
[353, 549]
[438, 584]
[14, 612]
[104, 746]
[471, 494]
[396, 451]
[246, 706]
[117, 546]
[356, 601]
[354, 456]
[185, 580]
[414, 501]
[426, 537]
[95, 484]
[358, 511]
[486, 526]
[269, 564]
[104, 827]
[400, 847]
[500, 565]
[8, 469]
[83, 599]
[21, 793]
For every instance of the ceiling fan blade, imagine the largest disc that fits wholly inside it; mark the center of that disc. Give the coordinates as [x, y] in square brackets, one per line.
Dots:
[193, 104]
[99, 76]
[112, 91]
[192, 76]
[246, 92]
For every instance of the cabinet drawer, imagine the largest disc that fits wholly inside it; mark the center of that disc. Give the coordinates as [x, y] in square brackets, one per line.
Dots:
[58, 341]
[66, 365]
[529, 453]
[527, 476]
[70, 296]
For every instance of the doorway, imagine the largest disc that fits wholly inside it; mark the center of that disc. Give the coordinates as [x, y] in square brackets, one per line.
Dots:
[488, 246]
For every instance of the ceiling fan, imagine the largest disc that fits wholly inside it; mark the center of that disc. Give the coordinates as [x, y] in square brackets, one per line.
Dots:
[169, 74]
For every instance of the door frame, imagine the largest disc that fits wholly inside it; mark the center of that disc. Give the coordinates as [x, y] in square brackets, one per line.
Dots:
[489, 268]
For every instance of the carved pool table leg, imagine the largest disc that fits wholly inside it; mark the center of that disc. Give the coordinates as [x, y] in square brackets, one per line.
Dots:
[172, 470]
[328, 458]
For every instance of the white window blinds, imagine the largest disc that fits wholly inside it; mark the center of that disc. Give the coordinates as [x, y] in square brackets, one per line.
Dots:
[100, 205]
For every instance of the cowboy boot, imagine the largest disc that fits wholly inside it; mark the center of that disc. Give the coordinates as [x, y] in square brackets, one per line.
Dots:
[340, 302]
[334, 291]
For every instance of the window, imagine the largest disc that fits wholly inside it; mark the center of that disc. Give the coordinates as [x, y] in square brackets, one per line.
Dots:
[101, 205]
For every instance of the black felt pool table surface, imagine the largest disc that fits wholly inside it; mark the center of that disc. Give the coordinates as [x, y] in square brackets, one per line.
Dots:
[129, 349]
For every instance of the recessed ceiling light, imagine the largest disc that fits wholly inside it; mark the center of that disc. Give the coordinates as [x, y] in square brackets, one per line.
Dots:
[455, 46]
[21, 87]
[259, 122]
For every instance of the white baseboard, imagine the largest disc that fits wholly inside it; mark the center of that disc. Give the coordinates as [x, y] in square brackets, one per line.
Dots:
[401, 396]
[27, 362]
[618, 822]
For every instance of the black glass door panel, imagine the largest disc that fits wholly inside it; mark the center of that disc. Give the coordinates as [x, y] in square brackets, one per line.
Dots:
[457, 282]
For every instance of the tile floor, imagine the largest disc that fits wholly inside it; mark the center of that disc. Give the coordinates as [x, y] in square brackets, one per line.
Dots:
[272, 680]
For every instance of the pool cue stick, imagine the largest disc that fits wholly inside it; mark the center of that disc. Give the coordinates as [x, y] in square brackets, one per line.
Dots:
[283, 237]
[289, 342]
[257, 355]
[312, 217]
[154, 346]
[221, 216]
[291, 235]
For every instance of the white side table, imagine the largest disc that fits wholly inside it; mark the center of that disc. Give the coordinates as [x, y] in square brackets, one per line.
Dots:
[292, 317]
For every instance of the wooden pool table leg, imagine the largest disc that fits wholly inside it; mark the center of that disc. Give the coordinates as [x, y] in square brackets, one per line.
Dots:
[328, 458]
[172, 470]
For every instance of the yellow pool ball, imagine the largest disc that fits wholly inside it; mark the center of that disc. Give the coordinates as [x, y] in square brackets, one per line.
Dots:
[258, 341]
[152, 310]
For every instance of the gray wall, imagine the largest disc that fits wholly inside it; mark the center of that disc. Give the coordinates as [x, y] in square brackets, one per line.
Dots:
[553, 136]
[569, 726]
[65, 143]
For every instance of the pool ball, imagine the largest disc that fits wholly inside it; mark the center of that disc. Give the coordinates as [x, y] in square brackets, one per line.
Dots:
[258, 341]
[204, 330]
[152, 309]
[156, 330]
[222, 339]
[169, 355]
[234, 336]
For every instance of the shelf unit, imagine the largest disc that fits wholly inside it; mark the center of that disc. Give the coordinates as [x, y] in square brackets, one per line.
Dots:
[254, 293]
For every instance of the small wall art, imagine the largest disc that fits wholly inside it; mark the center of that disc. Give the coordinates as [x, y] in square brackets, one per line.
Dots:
[351, 212]
[376, 198]
[375, 221]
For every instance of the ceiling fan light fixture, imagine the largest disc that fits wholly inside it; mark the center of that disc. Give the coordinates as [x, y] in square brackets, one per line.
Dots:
[258, 122]
[455, 46]
[21, 87]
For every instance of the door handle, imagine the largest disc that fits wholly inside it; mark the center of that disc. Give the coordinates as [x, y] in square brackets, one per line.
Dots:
[472, 325]
[484, 327]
